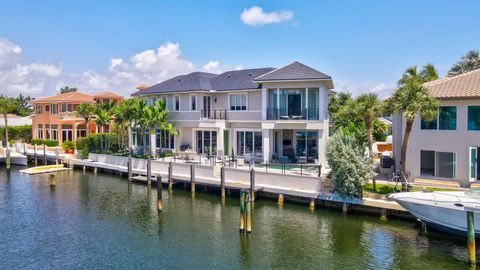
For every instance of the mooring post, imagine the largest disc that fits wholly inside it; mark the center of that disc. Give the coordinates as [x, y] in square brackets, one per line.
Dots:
[35, 153]
[344, 207]
[44, 154]
[383, 214]
[280, 200]
[222, 182]
[52, 180]
[471, 238]
[149, 172]
[242, 211]
[170, 180]
[129, 168]
[25, 149]
[84, 169]
[311, 206]
[57, 152]
[192, 178]
[248, 209]
[252, 184]
[423, 227]
[159, 193]
[95, 169]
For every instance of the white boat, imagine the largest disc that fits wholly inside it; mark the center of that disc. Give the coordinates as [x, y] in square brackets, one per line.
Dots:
[15, 159]
[443, 210]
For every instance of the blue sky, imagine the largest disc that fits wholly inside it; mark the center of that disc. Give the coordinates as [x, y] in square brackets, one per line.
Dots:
[363, 45]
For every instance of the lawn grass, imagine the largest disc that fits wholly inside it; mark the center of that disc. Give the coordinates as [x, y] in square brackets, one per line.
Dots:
[386, 188]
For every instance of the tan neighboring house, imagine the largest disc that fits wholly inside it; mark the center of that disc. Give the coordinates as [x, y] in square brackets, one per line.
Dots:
[265, 114]
[15, 120]
[448, 147]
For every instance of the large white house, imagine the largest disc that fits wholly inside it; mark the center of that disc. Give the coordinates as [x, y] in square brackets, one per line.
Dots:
[448, 147]
[266, 114]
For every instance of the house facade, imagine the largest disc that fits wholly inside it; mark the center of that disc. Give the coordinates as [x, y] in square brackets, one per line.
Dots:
[265, 114]
[446, 148]
[55, 118]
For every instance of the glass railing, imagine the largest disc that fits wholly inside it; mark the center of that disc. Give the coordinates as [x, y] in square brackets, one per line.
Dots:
[297, 114]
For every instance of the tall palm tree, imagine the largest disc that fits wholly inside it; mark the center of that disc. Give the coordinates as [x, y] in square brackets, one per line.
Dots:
[67, 89]
[102, 118]
[468, 62]
[369, 107]
[156, 116]
[412, 99]
[7, 105]
[86, 111]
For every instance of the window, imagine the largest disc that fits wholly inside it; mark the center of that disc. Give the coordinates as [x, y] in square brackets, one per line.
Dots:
[446, 119]
[206, 142]
[438, 164]
[54, 108]
[176, 103]
[238, 102]
[40, 131]
[249, 143]
[39, 109]
[81, 131]
[193, 102]
[47, 108]
[164, 139]
[473, 118]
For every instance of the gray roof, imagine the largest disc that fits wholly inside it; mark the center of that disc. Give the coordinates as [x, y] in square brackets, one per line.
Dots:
[294, 71]
[233, 80]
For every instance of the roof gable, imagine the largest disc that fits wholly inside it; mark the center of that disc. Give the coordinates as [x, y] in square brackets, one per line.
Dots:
[238, 79]
[66, 97]
[294, 71]
[188, 82]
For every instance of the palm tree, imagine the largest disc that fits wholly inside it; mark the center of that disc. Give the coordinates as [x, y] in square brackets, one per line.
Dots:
[85, 111]
[369, 107]
[156, 116]
[412, 99]
[469, 62]
[102, 118]
[67, 89]
[7, 105]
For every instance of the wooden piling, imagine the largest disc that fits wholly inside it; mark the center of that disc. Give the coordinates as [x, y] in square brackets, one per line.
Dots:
[383, 214]
[311, 206]
[170, 179]
[52, 180]
[149, 172]
[45, 154]
[242, 211]
[280, 199]
[129, 168]
[159, 193]
[192, 178]
[7, 158]
[95, 169]
[252, 184]
[248, 210]
[35, 153]
[471, 238]
[222, 182]
[423, 227]
[344, 207]
[84, 169]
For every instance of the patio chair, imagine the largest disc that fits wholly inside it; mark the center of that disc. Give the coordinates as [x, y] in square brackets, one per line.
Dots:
[240, 161]
[302, 159]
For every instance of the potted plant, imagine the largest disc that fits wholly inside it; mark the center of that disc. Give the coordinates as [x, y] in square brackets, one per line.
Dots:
[68, 147]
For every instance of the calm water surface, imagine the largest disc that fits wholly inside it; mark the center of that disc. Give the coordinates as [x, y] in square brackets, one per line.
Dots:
[103, 222]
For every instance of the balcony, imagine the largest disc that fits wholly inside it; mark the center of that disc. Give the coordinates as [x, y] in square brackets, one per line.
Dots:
[214, 114]
[293, 114]
[68, 116]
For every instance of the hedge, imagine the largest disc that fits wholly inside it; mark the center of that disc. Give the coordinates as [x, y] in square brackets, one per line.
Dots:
[101, 143]
[49, 143]
[23, 133]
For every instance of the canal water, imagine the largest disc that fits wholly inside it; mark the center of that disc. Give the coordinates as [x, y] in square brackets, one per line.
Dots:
[93, 222]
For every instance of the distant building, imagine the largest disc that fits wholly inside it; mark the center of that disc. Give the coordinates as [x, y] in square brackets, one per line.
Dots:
[55, 117]
[447, 147]
[15, 120]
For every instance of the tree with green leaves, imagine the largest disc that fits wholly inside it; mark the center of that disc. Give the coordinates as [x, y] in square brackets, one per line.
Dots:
[351, 166]
[102, 118]
[7, 105]
[468, 62]
[412, 100]
[67, 89]
[24, 106]
[156, 116]
[86, 111]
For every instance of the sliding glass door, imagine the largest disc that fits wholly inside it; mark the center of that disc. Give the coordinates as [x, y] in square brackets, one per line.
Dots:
[306, 145]
[206, 142]
[249, 143]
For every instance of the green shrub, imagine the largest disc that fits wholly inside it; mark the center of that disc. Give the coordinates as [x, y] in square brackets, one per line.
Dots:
[100, 143]
[67, 145]
[80, 143]
[50, 143]
[37, 141]
[23, 133]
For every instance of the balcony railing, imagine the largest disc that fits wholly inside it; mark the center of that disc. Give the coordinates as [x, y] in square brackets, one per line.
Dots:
[68, 115]
[214, 114]
[300, 114]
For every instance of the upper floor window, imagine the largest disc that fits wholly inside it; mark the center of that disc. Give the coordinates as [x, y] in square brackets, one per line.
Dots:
[39, 109]
[67, 107]
[53, 108]
[446, 119]
[238, 102]
[176, 103]
[193, 102]
[47, 108]
[473, 118]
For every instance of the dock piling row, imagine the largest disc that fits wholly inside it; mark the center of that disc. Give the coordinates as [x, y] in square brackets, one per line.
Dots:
[159, 193]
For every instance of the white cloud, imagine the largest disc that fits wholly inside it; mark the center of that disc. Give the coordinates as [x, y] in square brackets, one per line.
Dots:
[356, 88]
[239, 67]
[31, 79]
[255, 16]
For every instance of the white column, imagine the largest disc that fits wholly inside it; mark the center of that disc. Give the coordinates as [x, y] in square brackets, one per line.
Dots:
[266, 144]
[278, 99]
[153, 143]
[220, 141]
[130, 138]
[264, 103]
[306, 102]
[322, 102]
